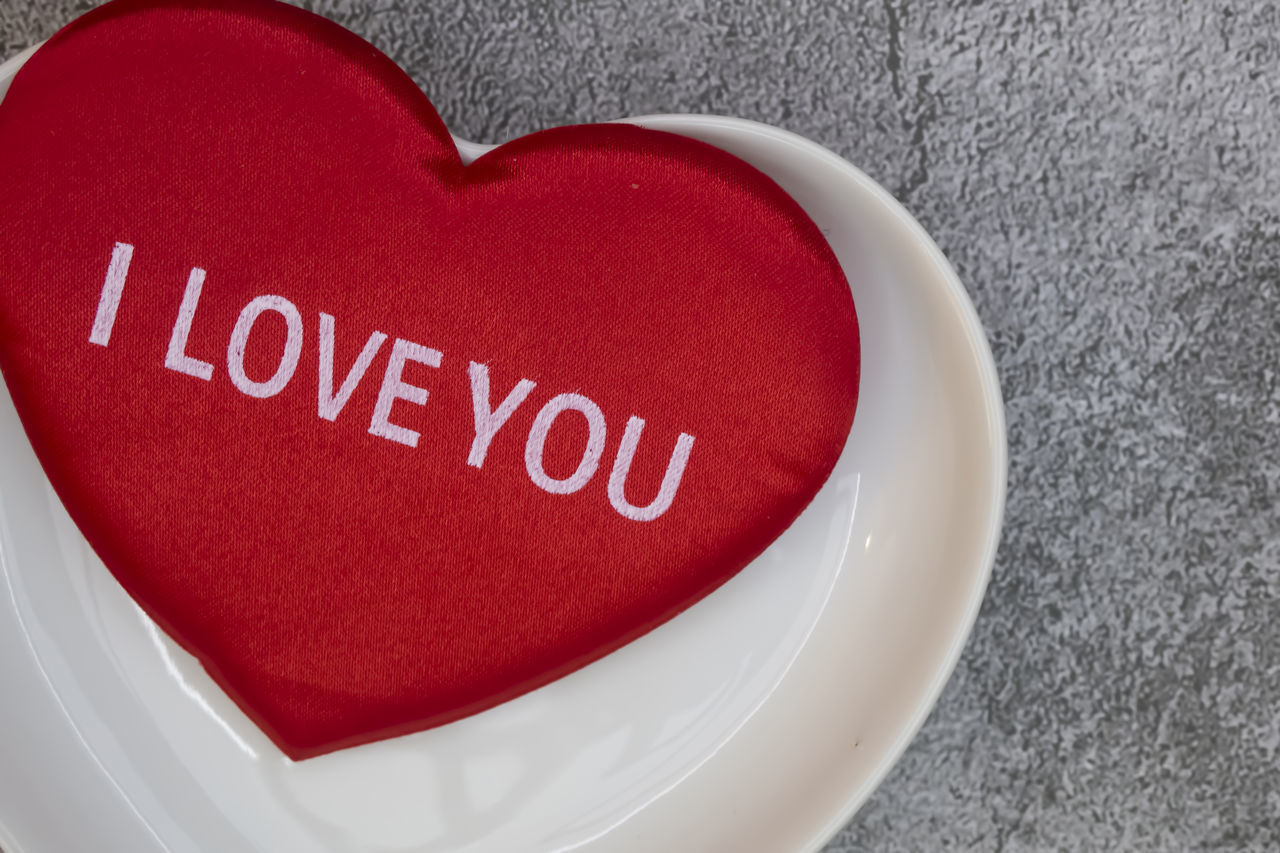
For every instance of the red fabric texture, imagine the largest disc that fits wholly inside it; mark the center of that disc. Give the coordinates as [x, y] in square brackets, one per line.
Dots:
[341, 585]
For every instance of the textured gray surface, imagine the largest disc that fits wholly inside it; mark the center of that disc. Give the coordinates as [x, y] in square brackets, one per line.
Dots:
[1107, 182]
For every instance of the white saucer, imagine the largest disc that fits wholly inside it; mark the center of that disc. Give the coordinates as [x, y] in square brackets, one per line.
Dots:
[759, 720]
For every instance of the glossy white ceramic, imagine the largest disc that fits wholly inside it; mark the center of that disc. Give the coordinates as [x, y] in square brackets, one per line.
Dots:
[756, 721]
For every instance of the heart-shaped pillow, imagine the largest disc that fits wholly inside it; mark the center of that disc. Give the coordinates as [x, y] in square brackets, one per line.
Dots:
[381, 438]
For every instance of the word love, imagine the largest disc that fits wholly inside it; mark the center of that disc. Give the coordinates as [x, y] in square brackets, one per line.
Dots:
[488, 420]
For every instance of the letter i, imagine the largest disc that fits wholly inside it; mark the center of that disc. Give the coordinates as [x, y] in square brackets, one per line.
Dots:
[112, 287]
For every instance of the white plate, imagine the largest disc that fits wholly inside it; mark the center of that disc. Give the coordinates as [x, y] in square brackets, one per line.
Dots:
[759, 720]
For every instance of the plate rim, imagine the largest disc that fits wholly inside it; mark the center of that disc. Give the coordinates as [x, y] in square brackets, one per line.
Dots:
[993, 403]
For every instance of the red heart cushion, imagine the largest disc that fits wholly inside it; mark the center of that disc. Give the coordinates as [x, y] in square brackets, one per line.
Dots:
[382, 439]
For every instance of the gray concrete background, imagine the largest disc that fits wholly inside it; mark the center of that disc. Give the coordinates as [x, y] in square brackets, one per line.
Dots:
[1105, 179]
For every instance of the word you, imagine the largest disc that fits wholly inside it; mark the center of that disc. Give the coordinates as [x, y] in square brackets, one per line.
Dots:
[487, 419]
